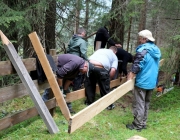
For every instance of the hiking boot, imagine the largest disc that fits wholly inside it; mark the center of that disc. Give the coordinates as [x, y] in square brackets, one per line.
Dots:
[72, 111]
[131, 127]
[111, 107]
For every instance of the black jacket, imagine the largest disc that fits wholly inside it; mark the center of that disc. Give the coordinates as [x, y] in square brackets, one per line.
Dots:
[103, 36]
[125, 57]
[39, 72]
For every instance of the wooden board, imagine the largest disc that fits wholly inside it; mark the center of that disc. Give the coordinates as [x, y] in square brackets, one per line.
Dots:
[23, 115]
[7, 68]
[28, 83]
[18, 90]
[92, 110]
[49, 74]
[79, 94]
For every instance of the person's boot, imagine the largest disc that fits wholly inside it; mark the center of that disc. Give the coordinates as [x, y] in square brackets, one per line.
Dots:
[70, 108]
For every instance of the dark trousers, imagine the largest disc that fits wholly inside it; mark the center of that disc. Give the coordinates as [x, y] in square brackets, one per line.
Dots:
[78, 81]
[100, 76]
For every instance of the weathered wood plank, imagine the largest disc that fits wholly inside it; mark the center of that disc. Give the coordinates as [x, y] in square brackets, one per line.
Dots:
[23, 115]
[19, 90]
[28, 83]
[7, 68]
[92, 110]
[49, 74]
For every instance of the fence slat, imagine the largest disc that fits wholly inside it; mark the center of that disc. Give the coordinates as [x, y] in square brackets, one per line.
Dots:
[23, 115]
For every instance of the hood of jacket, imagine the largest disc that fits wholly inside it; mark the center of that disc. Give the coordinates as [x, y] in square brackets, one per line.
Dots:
[76, 37]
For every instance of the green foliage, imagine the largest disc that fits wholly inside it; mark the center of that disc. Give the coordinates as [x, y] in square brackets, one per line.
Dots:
[9, 80]
[176, 38]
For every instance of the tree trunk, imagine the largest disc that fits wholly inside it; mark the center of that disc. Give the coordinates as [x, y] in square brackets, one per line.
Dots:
[87, 15]
[142, 20]
[117, 23]
[77, 16]
[50, 22]
[129, 34]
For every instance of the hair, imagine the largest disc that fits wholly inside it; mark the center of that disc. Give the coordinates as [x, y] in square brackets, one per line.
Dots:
[81, 30]
[114, 48]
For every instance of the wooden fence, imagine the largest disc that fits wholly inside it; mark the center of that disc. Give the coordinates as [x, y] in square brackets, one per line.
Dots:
[19, 90]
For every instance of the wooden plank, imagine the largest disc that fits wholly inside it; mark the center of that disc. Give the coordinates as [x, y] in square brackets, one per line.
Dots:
[49, 74]
[28, 83]
[7, 68]
[19, 90]
[79, 94]
[23, 115]
[92, 110]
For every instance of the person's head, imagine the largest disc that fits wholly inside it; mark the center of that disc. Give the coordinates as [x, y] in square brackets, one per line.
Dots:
[81, 32]
[84, 68]
[114, 49]
[144, 36]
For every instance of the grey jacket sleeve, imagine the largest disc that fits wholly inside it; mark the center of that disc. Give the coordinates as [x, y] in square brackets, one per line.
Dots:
[137, 60]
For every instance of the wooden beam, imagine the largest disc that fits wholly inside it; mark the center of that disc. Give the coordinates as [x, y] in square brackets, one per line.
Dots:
[18, 90]
[7, 68]
[79, 94]
[28, 83]
[92, 110]
[49, 74]
[23, 115]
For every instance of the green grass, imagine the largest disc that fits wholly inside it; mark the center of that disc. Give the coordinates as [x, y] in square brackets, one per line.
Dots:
[163, 122]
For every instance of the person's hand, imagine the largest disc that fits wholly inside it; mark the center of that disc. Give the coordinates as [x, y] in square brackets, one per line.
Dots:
[118, 45]
[130, 76]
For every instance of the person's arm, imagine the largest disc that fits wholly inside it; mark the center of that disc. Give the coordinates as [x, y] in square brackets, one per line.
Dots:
[112, 73]
[107, 37]
[66, 84]
[59, 81]
[83, 49]
[109, 40]
[131, 76]
[138, 64]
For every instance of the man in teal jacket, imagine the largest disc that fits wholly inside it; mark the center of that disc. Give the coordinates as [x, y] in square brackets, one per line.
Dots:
[145, 69]
[77, 45]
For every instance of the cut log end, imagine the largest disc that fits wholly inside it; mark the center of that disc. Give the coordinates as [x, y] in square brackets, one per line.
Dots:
[4, 39]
